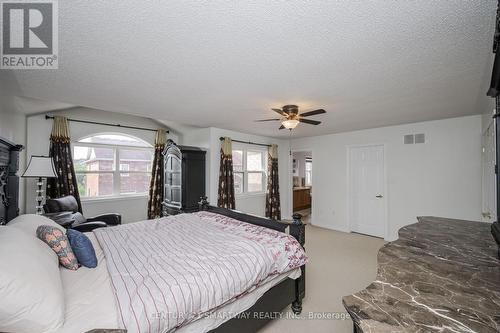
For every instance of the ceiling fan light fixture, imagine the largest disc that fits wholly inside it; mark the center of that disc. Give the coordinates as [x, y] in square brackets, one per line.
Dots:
[290, 123]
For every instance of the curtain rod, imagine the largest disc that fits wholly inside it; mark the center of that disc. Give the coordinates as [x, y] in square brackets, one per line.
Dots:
[248, 142]
[106, 124]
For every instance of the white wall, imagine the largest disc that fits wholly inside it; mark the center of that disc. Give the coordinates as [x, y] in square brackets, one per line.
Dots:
[441, 177]
[12, 123]
[13, 128]
[253, 204]
[38, 132]
[132, 209]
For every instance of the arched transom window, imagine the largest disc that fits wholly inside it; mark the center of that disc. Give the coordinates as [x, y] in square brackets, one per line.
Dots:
[112, 165]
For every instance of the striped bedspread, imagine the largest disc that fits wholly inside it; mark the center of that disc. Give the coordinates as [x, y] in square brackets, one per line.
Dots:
[170, 271]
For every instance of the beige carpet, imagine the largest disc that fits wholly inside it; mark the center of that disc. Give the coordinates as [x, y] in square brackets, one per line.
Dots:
[339, 264]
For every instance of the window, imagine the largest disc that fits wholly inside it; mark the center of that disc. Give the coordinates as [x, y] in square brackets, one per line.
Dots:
[249, 169]
[308, 170]
[112, 165]
[124, 167]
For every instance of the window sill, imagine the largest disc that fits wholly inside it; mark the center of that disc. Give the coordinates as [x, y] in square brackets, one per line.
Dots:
[250, 195]
[114, 198]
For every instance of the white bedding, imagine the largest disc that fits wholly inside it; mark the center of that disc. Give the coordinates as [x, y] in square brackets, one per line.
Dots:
[89, 298]
[235, 307]
[91, 304]
[168, 272]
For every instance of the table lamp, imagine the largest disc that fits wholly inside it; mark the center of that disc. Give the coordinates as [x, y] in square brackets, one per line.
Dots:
[40, 167]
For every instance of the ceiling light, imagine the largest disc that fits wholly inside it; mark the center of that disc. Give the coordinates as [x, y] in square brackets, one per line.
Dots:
[290, 123]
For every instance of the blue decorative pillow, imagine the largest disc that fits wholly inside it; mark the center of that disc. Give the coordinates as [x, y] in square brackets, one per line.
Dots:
[82, 248]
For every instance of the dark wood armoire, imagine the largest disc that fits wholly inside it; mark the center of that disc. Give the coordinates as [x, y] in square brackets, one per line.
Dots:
[184, 178]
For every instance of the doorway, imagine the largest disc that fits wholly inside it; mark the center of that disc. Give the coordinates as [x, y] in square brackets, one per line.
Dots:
[367, 184]
[302, 181]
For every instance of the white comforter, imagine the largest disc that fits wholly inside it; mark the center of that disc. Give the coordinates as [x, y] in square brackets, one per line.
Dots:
[168, 272]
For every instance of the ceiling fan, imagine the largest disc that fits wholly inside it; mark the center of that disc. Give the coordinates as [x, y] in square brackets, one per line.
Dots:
[291, 117]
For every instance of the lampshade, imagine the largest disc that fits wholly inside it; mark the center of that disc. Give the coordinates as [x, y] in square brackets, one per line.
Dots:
[290, 123]
[40, 166]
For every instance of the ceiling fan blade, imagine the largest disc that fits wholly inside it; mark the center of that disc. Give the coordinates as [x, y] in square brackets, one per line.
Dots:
[280, 112]
[312, 113]
[281, 127]
[261, 120]
[308, 121]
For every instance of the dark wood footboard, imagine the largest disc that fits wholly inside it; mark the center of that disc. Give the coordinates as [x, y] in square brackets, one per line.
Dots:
[280, 296]
[296, 228]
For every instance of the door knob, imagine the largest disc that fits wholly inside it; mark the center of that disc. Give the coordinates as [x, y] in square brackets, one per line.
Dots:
[379, 196]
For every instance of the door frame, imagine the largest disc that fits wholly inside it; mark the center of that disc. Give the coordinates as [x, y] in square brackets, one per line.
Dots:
[290, 178]
[348, 185]
[490, 126]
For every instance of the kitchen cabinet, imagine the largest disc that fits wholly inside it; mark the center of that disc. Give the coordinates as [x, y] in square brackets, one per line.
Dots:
[301, 198]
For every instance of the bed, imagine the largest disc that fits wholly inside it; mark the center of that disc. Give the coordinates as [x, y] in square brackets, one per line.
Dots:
[239, 271]
[94, 289]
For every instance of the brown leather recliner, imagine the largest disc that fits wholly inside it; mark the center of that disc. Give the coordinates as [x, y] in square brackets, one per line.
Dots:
[66, 208]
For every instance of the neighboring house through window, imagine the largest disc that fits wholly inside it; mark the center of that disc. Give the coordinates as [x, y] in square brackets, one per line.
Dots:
[249, 169]
[124, 167]
[112, 165]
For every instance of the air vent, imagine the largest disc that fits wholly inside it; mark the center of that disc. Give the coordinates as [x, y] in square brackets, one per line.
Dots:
[420, 138]
[409, 139]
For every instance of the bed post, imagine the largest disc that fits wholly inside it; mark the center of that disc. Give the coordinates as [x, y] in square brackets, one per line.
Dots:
[298, 231]
[203, 204]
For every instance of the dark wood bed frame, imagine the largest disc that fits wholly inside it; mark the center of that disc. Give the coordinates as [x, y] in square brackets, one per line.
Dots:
[9, 180]
[277, 298]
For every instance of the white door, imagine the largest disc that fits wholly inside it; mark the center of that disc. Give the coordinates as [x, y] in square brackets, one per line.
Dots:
[489, 181]
[366, 188]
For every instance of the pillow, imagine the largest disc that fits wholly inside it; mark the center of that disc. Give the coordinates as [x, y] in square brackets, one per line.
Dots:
[30, 222]
[31, 291]
[82, 248]
[58, 242]
[79, 218]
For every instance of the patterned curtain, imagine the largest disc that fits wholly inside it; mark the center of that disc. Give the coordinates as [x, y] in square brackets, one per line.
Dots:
[273, 209]
[60, 151]
[157, 183]
[226, 178]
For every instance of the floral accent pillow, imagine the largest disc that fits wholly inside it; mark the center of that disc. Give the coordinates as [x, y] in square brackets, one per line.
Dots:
[59, 243]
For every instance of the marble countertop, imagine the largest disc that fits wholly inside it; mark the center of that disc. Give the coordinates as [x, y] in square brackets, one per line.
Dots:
[298, 188]
[441, 275]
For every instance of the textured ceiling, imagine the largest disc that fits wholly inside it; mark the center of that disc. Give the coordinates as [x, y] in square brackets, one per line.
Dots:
[226, 63]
